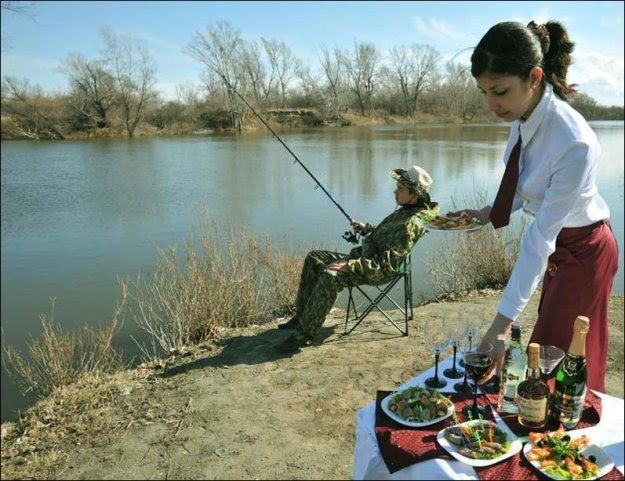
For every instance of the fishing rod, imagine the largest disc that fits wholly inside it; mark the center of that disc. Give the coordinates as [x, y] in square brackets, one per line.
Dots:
[350, 236]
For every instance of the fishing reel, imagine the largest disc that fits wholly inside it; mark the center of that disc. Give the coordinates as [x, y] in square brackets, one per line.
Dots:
[351, 236]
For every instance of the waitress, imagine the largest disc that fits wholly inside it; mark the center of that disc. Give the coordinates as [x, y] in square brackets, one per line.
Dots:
[551, 166]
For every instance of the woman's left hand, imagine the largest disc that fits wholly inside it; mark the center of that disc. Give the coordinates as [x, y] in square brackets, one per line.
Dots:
[338, 266]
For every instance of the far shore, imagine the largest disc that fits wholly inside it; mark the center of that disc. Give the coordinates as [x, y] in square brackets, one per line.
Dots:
[282, 120]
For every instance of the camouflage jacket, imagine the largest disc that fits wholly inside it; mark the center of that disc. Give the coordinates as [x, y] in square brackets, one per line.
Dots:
[386, 245]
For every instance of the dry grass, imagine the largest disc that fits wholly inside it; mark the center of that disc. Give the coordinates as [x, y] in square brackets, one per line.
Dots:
[234, 279]
[478, 260]
[60, 358]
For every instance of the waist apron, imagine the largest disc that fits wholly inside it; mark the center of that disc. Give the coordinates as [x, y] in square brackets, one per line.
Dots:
[578, 281]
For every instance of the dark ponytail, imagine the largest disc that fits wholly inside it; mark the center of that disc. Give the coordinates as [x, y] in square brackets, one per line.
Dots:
[510, 48]
[557, 60]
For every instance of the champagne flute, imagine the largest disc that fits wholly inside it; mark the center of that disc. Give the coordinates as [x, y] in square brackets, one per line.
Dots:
[465, 343]
[435, 338]
[478, 362]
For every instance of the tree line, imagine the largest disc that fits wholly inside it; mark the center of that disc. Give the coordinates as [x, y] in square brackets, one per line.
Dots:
[115, 93]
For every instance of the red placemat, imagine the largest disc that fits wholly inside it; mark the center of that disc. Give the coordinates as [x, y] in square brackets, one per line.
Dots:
[401, 446]
[518, 467]
[591, 414]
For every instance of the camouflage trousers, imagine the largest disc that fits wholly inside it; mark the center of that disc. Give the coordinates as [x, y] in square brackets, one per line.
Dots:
[318, 290]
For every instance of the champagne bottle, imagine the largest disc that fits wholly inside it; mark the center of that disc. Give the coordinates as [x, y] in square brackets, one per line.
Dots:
[570, 387]
[533, 393]
[513, 372]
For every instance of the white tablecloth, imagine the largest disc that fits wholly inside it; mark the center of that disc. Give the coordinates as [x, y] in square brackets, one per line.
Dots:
[368, 463]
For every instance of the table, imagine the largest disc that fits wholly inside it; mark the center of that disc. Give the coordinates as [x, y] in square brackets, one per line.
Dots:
[368, 463]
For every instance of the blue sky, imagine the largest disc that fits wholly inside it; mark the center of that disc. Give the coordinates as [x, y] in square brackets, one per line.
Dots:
[34, 44]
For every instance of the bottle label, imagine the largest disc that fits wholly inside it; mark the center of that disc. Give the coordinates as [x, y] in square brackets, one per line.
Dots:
[566, 408]
[533, 410]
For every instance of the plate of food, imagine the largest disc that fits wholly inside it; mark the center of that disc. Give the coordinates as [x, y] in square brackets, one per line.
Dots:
[417, 406]
[463, 222]
[562, 455]
[479, 442]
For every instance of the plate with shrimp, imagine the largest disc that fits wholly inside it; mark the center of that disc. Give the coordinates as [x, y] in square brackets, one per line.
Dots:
[562, 455]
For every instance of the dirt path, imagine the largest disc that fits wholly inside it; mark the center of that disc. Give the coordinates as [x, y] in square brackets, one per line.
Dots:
[249, 413]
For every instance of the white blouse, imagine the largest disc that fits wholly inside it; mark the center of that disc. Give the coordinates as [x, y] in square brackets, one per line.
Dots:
[557, 186]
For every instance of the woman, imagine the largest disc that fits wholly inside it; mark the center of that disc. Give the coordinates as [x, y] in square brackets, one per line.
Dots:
[552, 156]
[376, 261]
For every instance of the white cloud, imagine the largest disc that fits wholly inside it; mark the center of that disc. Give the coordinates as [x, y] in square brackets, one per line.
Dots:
[434, 28]
[615, 22]
[599, 75]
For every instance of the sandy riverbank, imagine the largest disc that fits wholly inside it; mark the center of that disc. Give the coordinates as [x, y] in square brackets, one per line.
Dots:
[237, 409]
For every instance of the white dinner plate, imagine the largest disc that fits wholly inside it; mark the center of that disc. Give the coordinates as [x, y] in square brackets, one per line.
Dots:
[604, 461]
[385, 402]
[515, 445]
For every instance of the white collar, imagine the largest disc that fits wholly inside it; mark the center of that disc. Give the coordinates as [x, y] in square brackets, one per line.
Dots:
[529, 127]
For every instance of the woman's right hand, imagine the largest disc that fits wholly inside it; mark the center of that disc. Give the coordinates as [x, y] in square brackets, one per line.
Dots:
[483, 215]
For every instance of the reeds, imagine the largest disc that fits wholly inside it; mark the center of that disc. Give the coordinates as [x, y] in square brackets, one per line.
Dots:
[223, 280]
[59, 357]
[476, 260]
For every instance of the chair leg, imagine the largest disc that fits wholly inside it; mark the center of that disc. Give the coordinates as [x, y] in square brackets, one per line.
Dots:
[350, 301]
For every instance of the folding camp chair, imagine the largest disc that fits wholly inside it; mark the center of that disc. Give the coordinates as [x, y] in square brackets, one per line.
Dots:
[405, 273]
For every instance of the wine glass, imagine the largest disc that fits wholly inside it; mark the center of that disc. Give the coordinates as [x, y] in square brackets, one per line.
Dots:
[454, 335]
[550, 357]
[478, 361]
[492, 385]
[435, 337]
[465, 343]
[471, 331]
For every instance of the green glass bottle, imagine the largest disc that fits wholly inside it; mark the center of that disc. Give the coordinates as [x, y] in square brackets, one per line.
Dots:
[569, 393]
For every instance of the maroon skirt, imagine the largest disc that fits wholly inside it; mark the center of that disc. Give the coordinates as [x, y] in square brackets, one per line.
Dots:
[578, 281]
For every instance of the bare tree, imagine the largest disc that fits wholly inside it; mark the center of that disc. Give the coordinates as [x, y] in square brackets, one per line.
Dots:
[253, 69]
[460, 93]
[362, 71]
[31, 109]
[133, 69]
[282, 64]
[308, 81]
[333, 69]
[219, 50]
[188, 94]
[413, 70]
[93, 93]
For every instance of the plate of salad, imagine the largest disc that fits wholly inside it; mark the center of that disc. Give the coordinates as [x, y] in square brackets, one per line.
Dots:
[562, 455]
[417, 406]
[479, 442]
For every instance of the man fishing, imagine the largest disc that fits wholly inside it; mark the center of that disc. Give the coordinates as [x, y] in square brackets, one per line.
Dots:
[376, 261]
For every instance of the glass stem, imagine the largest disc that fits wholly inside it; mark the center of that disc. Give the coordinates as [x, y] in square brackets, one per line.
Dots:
[436, 366]
[464, 383]
[454, 363]
[475, 398]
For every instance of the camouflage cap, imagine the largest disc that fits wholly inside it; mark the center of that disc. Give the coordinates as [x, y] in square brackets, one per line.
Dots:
[415, 178]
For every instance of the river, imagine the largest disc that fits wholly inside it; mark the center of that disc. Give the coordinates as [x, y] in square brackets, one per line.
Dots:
[77, 214]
